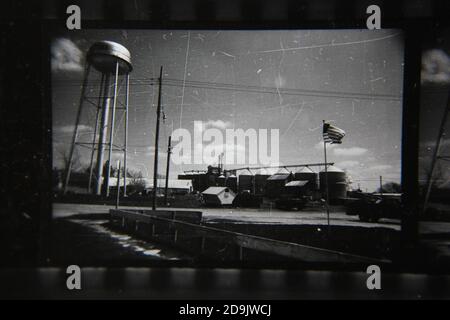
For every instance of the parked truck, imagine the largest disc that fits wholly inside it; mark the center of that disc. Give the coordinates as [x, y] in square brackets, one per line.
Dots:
[370, 207]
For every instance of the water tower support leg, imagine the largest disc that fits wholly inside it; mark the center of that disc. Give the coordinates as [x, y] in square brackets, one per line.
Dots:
[97, 113]
[111, 131]
[126, 137]
[75, 131]
[102, 134]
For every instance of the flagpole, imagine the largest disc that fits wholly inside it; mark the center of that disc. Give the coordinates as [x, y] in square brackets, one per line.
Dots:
[326, 181]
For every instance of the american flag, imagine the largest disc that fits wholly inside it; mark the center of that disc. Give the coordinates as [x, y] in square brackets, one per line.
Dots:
[332, 134]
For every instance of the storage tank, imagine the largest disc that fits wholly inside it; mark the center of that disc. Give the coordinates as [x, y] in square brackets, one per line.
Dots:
[260, 181]
[337, 181]
[220, 180]
[231, 182]
[246, 181]
[307, 174]
[211, 180]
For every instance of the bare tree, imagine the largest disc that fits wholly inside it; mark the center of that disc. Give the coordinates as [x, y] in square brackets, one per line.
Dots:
[136, 180]
[390, 187]
[64, 155]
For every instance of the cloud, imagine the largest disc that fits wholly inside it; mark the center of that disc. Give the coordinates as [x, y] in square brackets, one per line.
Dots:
[347, 164]
[319, 146]
[66, 56]
[220, 124]
[435, 67]
[350, 152]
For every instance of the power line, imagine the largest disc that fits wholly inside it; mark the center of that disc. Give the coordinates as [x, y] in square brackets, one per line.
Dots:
[262, 89]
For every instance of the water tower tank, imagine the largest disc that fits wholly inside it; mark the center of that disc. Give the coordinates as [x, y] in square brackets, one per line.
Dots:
[104, 55]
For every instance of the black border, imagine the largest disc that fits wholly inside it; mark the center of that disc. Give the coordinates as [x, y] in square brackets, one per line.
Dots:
[26, 137]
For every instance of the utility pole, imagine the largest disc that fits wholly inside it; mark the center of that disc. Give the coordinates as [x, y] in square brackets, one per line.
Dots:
[169, 151]
[381, 185]
[118, 184]
[158, 116]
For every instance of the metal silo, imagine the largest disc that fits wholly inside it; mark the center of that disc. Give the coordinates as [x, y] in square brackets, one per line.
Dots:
[306, 174]
[220, 180]
[232, 183]
[246, 181]
[261, 181]
[337, 182]
[275, 184]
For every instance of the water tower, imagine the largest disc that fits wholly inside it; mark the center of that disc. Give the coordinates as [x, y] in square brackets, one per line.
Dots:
[112, 63]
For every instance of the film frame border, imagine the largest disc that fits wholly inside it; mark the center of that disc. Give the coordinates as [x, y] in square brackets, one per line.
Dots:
[413, 29]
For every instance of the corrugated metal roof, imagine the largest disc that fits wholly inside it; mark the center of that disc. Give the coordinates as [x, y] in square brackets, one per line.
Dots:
[297, 183]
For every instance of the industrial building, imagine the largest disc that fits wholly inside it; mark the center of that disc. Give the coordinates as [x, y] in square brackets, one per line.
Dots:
[202, 180]
[252, 188]
[175, 186]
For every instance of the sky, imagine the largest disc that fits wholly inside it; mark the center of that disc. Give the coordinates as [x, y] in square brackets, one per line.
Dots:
[289, 80]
